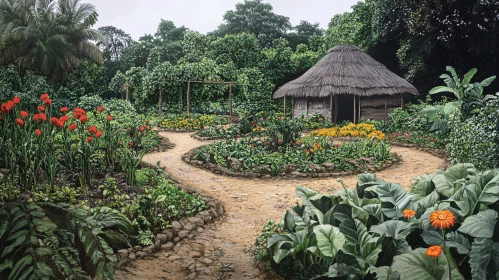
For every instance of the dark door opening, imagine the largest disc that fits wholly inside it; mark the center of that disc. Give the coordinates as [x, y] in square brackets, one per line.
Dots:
[345, 108]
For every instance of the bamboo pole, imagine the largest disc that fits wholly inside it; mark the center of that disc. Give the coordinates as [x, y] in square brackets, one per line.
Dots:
[230, 99]
[386, 115]
[336, 109]
[360, 108]
[402, 101]
[354, 109]
[127, 95]
[160, 104]
[284, 106]
[331, 107]
[293, 106]
[307, 107]
[188, 98]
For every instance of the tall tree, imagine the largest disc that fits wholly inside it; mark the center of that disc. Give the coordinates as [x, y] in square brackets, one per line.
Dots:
[116, 40]
[302, 33]
[255, 17]
[50, 37]
[167, 32]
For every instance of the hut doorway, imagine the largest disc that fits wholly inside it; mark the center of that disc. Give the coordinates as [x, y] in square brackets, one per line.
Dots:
[345, 108]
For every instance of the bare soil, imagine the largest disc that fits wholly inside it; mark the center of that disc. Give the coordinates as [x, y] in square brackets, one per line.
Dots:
[249, 203]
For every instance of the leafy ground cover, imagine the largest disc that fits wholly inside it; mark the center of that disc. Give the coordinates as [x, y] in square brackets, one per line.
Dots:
[192, 122]
[73, 190]
[444, 228]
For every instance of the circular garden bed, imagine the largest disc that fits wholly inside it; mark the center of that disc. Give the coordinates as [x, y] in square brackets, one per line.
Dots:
[305, 157]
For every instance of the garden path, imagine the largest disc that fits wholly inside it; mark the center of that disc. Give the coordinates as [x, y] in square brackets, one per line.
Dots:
[249, 203]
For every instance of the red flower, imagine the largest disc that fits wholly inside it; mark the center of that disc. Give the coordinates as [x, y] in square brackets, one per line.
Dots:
[41, 108]
[147, 121]
[58, 123]
[130, 144]
[147, 127]
[5, 108]
[38, 132]
[44, 96]
[47, 102]
[19, 122]
[41, 117]
[11, 104]
[141, 128]
[90, 139]
[78, 112]
[252, 146]
[100, 109]
[98, 134]
[92, 130]
[1, 118]
[72, 127]
[64, 110]
[109, 118]
[83, 119]
[64, 118]
[16, 100]
[24, 114]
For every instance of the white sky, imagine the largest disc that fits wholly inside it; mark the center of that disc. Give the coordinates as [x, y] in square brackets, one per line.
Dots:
[138, 17]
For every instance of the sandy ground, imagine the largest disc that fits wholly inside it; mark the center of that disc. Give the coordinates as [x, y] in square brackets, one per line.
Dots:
[249, 203]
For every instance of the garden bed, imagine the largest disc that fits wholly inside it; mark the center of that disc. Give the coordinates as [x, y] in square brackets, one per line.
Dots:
[314, 163]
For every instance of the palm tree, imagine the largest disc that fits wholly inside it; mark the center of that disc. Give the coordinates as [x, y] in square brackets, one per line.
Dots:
[47, 36]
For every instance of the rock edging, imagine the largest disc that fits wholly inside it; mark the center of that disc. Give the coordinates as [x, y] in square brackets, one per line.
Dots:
[206, 138]
[440, 153]
[175, 130]
[185, 228]
[290, 171]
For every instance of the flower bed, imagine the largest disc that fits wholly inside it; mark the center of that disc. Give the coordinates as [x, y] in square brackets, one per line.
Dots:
[379, 230]
[308, 156]
[361, 130]
[417, 139]
[191, 123]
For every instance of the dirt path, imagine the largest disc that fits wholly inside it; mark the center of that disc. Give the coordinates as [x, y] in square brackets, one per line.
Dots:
[250, 203]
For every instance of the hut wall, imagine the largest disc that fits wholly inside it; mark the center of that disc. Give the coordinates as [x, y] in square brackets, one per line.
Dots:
[313, 105]
[374, 107]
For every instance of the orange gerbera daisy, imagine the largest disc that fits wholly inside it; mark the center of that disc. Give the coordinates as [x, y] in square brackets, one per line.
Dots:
[409, 213]
[442, 219]
[434, 251]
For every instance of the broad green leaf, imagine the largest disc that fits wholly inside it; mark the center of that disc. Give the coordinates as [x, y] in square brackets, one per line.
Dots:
[276, 238]
[484, 258]
[393, 228]
[468, 76]
[460, 242]
[487, 82]
[384, 273]
[359, 243]
[453, 178]
[394, 199]
[365, 181]
[432, 237]
[440, 89]
[340, 269]
[6, 264]
[289, 221]
[483, 190]
[480, 225]
[415, 265]
[329, 239]
[423, 187]
[280, 254]
[22, 264]
[421, 205]
[45, 269]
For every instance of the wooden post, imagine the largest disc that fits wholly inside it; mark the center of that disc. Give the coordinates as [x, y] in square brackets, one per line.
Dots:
[230, 99]
[293, 107]
[386, 115]
[360, 109]
[160, 104]
[354, 109]
[188, 98]
[331, 107]
[284, 106]
[402, 101]
[336, 109]
[307, 106]
[127, 96]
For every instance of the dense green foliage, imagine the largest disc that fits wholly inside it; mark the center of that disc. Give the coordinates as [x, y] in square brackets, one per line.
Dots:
[368, 232]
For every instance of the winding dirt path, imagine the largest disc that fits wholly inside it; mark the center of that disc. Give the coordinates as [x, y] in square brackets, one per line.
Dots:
[249, 203]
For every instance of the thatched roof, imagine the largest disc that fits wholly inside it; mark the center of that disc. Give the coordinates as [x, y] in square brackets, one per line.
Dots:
[346, 70]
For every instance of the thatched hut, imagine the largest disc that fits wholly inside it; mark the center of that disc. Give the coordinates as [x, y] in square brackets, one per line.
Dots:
[347, 84]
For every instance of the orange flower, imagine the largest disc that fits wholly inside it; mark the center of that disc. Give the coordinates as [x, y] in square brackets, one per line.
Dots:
[16, 100]
[90, 139]
[109, 118]
[19, 122]
[434, 251]
[98, 134]
[38, 132]
[442, 219]
[24, 114]
[252, 146]
[64, 110]
[409, 213]
[100, 109]
[44, 96]
[92, 130]
[279, 141]
[141, 128]
[72, 127]
[41, 108]
[83, 119]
